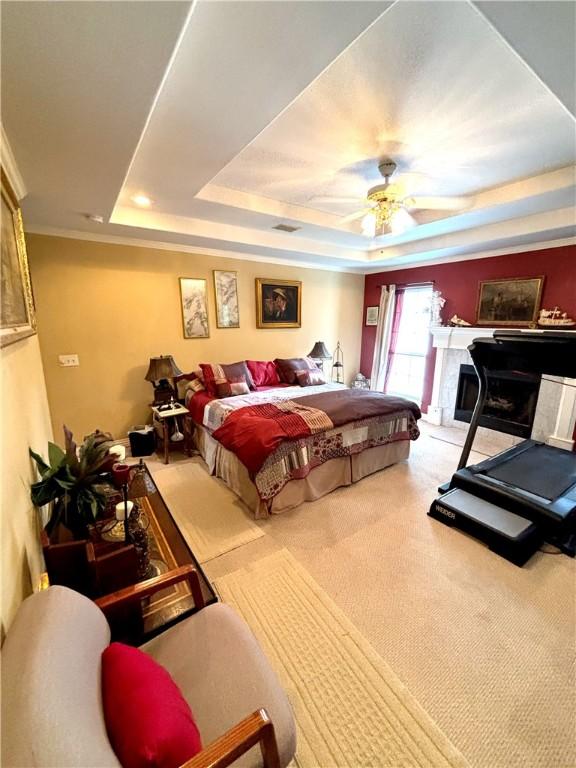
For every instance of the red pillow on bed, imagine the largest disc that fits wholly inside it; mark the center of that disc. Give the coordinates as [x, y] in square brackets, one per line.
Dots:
[214, 373]
[231, 387]
[264, 373]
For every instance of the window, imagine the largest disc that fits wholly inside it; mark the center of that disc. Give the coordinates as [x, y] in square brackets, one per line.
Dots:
[409, 344]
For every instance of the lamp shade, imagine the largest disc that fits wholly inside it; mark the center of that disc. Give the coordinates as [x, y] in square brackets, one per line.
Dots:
[319, 352]
[162, 367]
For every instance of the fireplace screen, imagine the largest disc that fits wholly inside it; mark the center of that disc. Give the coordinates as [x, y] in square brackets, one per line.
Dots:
[510, 404]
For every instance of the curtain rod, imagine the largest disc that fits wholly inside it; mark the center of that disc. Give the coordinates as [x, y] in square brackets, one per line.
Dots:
[410, 285]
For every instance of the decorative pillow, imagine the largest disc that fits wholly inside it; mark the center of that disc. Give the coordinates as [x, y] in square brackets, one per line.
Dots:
[230, 371]
[196, 385]
[231, 387]
[149, 723]
[264, 373]
[188, 381]
[310, 378]
[287, 368]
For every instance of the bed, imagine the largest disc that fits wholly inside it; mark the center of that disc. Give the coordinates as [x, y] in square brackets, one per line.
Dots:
[279, 446]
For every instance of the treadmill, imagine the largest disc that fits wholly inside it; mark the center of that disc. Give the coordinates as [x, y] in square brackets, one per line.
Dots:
[525, 495]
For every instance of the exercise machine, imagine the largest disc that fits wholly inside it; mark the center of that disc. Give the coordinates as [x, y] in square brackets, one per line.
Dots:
[525, 495]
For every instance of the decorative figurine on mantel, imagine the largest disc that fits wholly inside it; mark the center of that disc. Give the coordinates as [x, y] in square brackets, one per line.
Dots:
[436, 304]
[458, 322]
[555, 318]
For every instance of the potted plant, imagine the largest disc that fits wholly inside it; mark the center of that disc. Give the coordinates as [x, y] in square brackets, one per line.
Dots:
[71, 482]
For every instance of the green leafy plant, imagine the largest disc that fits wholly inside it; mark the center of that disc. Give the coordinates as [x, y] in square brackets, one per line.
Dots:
[71, 481]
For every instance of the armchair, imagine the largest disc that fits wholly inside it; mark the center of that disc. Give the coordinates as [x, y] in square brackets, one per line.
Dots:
[52, 711]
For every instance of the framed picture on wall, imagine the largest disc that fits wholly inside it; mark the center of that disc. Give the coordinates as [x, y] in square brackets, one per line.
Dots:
[226, 290]
[372, 315]
[514, 301]
[17, 314]
[278, 303]
[194, 299]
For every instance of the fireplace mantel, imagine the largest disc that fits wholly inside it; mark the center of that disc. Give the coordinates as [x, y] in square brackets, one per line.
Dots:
[460, 337]
[449, 338]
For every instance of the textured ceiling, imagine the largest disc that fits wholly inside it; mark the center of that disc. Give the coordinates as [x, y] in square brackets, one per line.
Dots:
[419, 86]
[240, 115]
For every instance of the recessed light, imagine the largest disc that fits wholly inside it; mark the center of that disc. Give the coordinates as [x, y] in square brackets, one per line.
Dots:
[142, 200]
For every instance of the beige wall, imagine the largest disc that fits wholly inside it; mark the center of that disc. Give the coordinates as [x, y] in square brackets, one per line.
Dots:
[116, 306]
[25, 423]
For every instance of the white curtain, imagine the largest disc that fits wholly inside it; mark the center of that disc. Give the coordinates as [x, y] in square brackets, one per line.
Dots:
[383, 336]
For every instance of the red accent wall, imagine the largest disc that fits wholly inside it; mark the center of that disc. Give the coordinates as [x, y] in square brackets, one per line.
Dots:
[458, 282]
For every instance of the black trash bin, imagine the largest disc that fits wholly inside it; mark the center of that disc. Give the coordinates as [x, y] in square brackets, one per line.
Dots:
[142, 440]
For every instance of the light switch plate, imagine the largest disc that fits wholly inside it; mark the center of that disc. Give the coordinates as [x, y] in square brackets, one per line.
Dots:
[68, 361]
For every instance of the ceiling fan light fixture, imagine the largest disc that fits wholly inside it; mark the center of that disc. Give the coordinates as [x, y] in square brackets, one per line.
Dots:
[369, 224]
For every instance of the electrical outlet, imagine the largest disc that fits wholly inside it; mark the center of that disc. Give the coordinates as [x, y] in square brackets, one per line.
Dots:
[68, 361]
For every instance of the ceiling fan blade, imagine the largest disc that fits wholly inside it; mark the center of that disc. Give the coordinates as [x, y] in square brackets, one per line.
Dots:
[354, 216]
[402, 184]
[335, 199]
[439, 203]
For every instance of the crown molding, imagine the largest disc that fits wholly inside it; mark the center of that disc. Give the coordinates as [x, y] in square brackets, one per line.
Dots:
[243, 256]
[10, 166]
[523, 248]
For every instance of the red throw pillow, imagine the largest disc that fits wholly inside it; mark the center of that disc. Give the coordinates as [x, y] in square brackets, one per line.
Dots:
[149, 723]
[215, 372]
[232, 387]
[264, 373]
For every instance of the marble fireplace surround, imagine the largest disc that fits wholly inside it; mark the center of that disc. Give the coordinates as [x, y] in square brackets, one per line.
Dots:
[555, 412]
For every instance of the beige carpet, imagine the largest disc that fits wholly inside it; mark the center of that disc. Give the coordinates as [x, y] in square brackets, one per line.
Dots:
[485, 647]
[350, 707]
[207, 513]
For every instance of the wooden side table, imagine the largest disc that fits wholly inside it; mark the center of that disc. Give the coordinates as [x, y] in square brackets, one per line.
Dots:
[163, 425]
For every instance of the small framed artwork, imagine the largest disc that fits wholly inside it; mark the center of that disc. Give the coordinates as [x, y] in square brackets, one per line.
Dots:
[194, 300]
[226, 290]
[514, 301]
[372, 315]
[278, 303]
[17, 314]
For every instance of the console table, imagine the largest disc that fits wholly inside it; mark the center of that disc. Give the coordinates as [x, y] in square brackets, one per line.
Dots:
[99, 566]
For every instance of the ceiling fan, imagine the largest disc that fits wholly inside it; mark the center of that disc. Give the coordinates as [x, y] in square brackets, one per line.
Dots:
[388, 205]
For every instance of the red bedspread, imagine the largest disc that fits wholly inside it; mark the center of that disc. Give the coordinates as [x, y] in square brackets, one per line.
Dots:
[253, 433]
[197, 403]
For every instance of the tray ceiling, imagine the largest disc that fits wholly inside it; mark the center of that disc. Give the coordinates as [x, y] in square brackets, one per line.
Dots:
[233, 117]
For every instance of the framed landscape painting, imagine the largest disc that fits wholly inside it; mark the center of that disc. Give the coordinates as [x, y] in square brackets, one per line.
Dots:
[17, 315]
[194, 299]
[513, 301]
[278, 303]
[226, 290]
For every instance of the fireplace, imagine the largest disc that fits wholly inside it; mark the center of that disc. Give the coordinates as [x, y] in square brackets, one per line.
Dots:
[510, 404]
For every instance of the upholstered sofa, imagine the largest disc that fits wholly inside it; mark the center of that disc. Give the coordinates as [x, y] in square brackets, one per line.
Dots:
[52, 713]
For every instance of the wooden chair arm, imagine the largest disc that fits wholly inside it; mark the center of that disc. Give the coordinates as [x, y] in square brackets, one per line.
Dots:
[254, 729]
[150, 586]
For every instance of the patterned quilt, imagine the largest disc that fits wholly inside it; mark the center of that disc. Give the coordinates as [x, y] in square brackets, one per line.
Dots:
[281, 441]
[216, 411]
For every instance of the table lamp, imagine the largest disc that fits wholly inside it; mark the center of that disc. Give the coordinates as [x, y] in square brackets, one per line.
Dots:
[161, 371]
[319, 353]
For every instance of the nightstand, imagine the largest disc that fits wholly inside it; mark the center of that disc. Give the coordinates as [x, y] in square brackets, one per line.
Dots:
[166, 422]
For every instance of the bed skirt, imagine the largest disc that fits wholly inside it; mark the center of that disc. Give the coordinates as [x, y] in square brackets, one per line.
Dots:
[322, 480]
